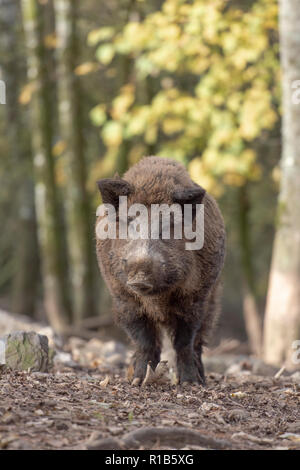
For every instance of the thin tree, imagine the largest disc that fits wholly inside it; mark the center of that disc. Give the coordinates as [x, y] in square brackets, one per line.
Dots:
[50, 228]
[252, 318]
[282, 319]
[25, 245]
[78, 210]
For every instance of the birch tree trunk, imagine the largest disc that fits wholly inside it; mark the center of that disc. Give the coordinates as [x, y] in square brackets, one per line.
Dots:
[282, 319]
[50, 228]
[78, 208]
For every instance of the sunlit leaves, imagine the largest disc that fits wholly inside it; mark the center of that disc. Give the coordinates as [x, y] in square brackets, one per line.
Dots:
[105, 53]
[122, 102]
[98, 115]
[27, 92]
[216, 72]
[86, 68]
[100, 34]
[112, 134]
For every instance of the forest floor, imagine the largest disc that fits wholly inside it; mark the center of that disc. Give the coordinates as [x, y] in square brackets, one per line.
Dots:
[78, 407]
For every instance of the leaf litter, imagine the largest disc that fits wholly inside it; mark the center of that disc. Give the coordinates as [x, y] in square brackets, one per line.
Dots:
[96, 407]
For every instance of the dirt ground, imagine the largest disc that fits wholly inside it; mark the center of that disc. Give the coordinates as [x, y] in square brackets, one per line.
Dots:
[75, 408]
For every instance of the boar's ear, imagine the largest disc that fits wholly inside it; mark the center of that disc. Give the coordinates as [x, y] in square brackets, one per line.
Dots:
[189, 195]
[112, 188]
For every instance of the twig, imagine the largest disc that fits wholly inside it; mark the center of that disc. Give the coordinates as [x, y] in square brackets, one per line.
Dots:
[279, 373]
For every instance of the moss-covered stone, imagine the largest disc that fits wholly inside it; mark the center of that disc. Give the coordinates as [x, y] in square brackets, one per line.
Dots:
[27, 350]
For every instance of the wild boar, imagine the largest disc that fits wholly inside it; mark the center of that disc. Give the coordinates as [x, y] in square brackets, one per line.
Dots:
[157, 284]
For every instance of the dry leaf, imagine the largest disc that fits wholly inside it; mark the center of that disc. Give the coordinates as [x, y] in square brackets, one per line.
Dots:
[104, 383]
[238, 394]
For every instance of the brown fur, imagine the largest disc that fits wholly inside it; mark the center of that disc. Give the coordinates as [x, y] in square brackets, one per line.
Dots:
[184, 285]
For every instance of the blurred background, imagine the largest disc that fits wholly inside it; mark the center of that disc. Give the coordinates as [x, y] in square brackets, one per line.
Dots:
[92, 87]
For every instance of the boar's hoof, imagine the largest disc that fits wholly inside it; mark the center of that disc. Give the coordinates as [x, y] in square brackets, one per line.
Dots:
[136, 381]
[190, 376]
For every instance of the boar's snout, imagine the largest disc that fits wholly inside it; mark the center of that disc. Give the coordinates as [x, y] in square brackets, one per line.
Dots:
[143, 267]
[140, 287]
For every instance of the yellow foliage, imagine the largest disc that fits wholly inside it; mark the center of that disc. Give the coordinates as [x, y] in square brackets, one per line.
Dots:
[172, 125]
[104, 167]
[105, 53]
[59, 148]
[98, 114]
[203, 177]
[101, 34]
[27, 92]
[217, 66]
[112, 134]
[234, 179]
[50, 41]
[121, 104]
[86, 67]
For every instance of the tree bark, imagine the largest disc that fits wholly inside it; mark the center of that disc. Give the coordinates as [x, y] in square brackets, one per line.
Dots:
[252, 318]
[50, 228]
[78, 208]
[282, 318]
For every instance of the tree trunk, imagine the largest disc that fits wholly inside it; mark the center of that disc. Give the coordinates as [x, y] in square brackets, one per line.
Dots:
[282, 319]
[24, 282]
[250, 310]
[78, 206]
[50, 228]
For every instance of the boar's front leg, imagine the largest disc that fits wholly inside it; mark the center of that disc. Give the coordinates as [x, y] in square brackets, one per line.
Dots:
[198, 359]
[183, 339]
[146, 339]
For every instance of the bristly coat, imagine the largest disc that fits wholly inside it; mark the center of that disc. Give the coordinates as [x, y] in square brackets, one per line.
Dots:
[158, 283]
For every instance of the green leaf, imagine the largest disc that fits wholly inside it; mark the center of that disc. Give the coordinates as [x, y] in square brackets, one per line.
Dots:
[105, 53]
[98, 115]
[100, 34]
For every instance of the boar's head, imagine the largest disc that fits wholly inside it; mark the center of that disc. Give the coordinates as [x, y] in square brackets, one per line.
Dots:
[153, 265]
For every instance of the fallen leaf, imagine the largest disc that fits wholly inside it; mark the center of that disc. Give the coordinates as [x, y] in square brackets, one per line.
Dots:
[238, 394]
[104, 383]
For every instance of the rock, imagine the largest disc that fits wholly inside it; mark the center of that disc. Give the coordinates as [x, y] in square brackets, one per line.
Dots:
[11, 322]
[61, 357]
[26, 350]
